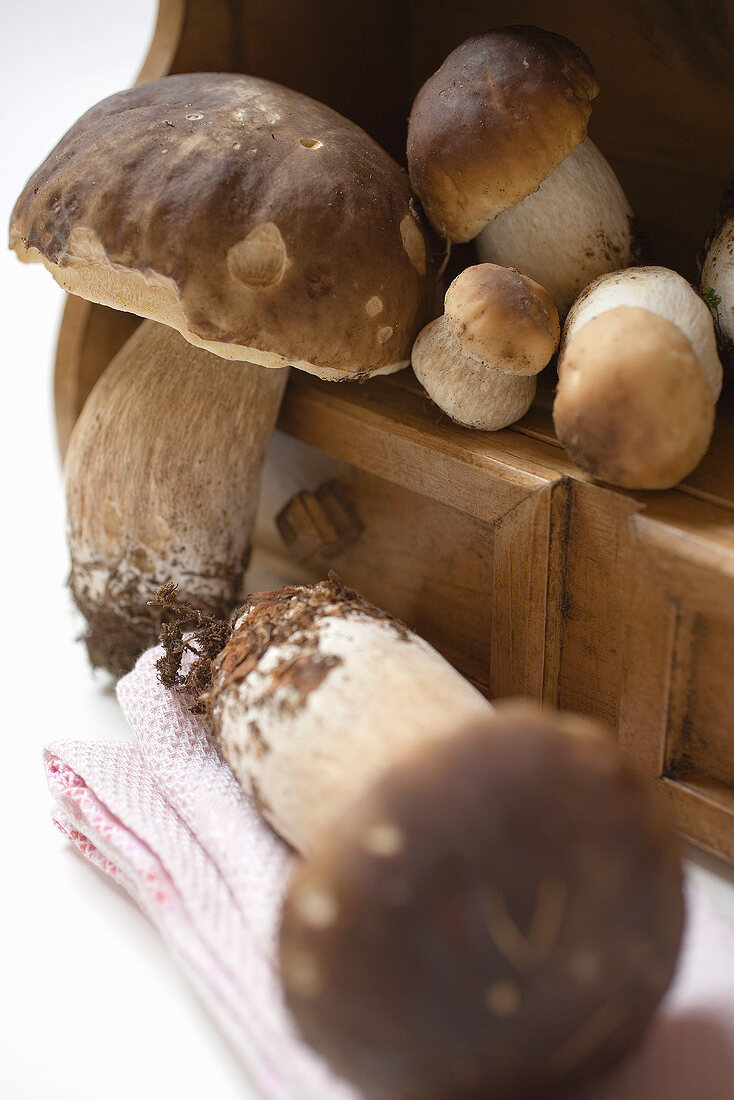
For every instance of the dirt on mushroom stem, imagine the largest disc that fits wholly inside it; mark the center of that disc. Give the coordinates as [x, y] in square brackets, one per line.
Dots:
[266, 619]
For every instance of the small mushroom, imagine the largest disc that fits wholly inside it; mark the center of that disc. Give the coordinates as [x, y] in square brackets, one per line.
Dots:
[717, 276]
[162, 480]
[497, 148]
[491, 902]
[498, 914]
[267, 229]
[638, 379]
[478, 362]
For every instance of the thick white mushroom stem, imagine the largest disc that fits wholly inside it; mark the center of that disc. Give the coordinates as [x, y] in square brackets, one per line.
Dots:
[162, 480]
[469, 391]
[317, 693]
[717, 277]
[662, 291]
[576, 226]
[638, 379]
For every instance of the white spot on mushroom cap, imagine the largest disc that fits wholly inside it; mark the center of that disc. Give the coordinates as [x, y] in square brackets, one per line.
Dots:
[373, 306]
[413, 243]
[259, 259]
[316, 906]
[194, 116]
[384, 839]
[503, 998]
[384, 333]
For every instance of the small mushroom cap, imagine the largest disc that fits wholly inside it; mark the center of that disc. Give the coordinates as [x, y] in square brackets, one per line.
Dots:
[503, 318]
[661, 290]
[258, 222]
[468, 391]
[500, 115]
[500, 914]
[633, 406]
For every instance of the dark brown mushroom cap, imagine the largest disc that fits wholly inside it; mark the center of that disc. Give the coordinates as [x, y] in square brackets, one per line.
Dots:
[257, 221]
[493, 122]
[498, 916]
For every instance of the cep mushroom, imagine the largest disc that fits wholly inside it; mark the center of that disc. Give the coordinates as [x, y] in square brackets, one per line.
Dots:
[479, 360]
[639, 377]
[497, 150]
[490, 903]
[717, 276]
[266, 229]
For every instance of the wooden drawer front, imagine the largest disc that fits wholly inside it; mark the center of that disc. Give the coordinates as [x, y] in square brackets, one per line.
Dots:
[596, 541]
[463, 549]
[677, 706]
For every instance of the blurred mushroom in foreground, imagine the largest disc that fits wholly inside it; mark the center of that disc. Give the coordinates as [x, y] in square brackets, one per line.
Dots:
[491, 901]
[479, 360]
[639, 377]
[497, 150]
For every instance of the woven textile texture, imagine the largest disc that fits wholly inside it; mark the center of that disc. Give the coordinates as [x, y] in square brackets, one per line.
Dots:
[166, 819]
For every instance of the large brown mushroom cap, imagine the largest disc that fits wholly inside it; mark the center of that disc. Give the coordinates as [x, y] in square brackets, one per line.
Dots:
[258, 222]
[493, 122]
[499, 915]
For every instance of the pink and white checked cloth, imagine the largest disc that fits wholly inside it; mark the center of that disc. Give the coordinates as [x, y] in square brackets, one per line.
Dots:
[166, 819]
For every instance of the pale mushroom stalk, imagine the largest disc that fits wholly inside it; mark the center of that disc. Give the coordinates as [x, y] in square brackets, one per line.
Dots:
[317, 693]
[466, 389]
[162, 481]
[478, 885]
[576, 226]
[639, 377]
[497, 151]
[717, 276]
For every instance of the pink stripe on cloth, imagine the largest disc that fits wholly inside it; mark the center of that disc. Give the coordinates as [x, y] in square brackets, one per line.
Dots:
[166, 819]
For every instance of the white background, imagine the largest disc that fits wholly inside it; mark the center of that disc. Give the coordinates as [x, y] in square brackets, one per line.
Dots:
[90, 1004]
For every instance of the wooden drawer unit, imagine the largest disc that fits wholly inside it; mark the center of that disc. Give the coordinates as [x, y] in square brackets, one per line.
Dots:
[529, 577]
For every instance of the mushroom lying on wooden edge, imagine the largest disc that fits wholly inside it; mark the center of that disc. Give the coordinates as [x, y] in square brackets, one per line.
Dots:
[497, 150]
[639, 377]
[491, 901]
[717, 276]
[479, 360]
[267, 229]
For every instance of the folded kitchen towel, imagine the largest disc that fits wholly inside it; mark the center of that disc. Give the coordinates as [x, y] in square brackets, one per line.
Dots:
[166, 819]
